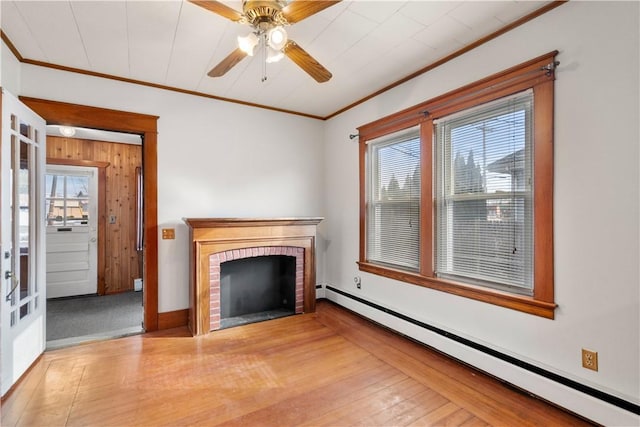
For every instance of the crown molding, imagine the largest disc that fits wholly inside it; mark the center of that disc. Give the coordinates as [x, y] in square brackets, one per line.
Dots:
[536, 13]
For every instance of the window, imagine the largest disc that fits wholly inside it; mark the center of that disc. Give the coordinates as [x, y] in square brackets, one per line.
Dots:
[67, 200]
[457, 192]
[394, 192]
[484, 212]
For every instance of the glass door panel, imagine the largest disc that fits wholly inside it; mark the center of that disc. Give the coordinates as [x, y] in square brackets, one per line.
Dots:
[24, 221]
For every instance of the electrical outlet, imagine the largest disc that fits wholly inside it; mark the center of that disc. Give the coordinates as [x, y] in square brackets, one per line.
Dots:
[590, 359]
[358, 282]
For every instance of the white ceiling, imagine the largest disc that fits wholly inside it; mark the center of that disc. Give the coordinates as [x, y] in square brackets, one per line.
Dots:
[367, 45]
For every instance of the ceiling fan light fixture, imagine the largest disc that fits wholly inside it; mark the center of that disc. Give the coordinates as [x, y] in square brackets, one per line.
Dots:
[248, 43]
[277, 37]
[267, 18]
[273, 55]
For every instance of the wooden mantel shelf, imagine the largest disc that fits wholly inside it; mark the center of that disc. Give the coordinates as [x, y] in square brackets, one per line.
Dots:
[249, 222]
[208, 236]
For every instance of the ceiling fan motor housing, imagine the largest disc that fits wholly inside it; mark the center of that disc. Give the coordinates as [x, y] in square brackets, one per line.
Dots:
[263, 14]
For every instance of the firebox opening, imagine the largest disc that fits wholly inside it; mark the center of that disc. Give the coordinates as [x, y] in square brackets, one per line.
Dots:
[256, 289]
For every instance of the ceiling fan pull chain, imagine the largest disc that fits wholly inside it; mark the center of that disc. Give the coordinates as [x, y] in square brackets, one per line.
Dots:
[264, 58]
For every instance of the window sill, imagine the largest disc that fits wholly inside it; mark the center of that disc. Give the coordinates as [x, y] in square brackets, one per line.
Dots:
[515, 302]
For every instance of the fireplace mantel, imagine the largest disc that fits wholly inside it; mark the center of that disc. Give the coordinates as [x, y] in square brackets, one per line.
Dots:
[209, 236]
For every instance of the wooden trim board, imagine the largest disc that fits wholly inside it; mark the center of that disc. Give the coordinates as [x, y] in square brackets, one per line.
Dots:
[173, 319]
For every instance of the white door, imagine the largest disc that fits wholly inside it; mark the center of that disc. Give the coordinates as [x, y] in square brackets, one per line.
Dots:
[22, 255]
[72, 223]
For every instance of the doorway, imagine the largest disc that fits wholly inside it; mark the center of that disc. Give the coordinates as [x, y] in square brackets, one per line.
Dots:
[93, 209]
[60, 113]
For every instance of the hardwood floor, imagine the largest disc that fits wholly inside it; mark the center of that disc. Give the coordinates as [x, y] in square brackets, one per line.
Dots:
[330, 368]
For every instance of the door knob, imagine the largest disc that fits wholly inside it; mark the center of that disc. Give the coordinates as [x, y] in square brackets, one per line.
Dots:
[8, 274]
[93, 240]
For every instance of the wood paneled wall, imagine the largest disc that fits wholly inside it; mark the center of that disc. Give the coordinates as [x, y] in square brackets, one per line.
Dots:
[122, 261]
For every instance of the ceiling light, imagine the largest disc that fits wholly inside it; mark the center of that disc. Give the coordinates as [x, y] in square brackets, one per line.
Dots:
[273, 55]
[67, 131]
[277, 37]
[248, 43]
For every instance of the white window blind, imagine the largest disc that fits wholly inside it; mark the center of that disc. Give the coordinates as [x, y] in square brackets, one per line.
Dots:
[484, 209]
[393, 200]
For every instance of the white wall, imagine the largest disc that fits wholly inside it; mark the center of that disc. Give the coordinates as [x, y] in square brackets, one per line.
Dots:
[9, 70]
[596, 211]
[215, 159]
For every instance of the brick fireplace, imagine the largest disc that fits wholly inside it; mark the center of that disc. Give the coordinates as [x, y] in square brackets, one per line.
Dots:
[218, 240]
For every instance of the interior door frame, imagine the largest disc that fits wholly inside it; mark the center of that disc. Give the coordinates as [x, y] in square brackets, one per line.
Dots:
[102, 203]
[62, 113]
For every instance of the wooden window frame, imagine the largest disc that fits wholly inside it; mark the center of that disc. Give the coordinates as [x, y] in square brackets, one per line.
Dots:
[536, 74]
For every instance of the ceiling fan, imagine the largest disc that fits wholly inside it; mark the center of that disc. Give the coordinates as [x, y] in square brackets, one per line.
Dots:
[268, 19]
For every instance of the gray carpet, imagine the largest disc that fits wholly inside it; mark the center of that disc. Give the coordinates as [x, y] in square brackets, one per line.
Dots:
[74, 320]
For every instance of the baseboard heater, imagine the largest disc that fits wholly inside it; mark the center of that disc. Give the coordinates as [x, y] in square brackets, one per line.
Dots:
[613, 400]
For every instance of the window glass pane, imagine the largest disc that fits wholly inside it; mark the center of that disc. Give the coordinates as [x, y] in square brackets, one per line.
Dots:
[77, 187]
[55, 212]
[12, 201]
[77, 212]
[393, 220]
[24, 310]
[24, 129]
[24, 220]
[67, 201]
[484, 209]
[54, 186]
[24, 186]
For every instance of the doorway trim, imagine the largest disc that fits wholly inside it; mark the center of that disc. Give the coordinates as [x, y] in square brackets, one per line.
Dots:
[62, 113]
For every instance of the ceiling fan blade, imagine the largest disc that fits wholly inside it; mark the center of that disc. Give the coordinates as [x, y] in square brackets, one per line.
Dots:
[227, 63]
[219, 8]
[298, 10]
[306, 62]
